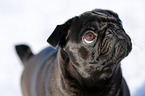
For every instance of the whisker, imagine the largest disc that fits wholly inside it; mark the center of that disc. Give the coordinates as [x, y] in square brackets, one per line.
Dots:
[138, 43]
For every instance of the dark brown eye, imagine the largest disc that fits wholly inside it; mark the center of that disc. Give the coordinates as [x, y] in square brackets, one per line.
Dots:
[89, 37]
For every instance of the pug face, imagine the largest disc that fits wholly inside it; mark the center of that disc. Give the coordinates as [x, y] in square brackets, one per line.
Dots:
[96, 43]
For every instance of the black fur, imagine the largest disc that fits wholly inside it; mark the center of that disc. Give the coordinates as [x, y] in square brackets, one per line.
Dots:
[80, 64]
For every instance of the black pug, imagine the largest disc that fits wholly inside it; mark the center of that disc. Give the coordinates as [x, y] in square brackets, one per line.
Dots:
[85, 61]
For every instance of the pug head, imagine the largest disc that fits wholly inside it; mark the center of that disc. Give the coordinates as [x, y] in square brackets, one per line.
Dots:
[95, 43]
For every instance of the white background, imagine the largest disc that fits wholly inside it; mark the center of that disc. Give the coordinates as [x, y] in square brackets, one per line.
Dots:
[32, 21]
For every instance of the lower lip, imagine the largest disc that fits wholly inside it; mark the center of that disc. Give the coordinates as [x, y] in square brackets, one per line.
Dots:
[109, 66]
[96, 66]
[100, 66]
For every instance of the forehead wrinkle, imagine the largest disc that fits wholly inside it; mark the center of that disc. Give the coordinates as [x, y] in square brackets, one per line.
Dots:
[98, 16]
[109, 16]
[102, 26]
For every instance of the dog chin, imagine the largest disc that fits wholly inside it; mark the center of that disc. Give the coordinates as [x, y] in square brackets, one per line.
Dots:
[99, 75]
[101, 71]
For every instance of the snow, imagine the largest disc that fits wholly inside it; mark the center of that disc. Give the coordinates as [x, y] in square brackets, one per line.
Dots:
[32, 21]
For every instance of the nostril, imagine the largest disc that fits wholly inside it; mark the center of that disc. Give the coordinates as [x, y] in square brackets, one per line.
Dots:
[97, 59]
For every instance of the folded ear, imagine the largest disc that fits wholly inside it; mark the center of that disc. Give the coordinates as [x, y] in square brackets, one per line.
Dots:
[58, 34]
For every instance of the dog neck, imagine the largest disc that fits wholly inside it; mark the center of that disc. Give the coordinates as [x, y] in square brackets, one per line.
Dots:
[75, 84]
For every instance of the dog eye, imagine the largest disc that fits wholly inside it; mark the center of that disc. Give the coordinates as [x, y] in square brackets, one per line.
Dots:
[89, 37]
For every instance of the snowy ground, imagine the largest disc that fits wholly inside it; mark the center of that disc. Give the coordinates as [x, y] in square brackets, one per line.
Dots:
[32, 21]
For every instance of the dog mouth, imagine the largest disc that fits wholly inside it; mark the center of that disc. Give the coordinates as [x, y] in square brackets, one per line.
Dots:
[110, 56]
[101, 66]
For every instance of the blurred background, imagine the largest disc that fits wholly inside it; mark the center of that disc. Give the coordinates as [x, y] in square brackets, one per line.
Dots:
[32, 21]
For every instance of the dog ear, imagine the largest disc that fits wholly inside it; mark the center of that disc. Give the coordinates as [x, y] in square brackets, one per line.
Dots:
[57, 35]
